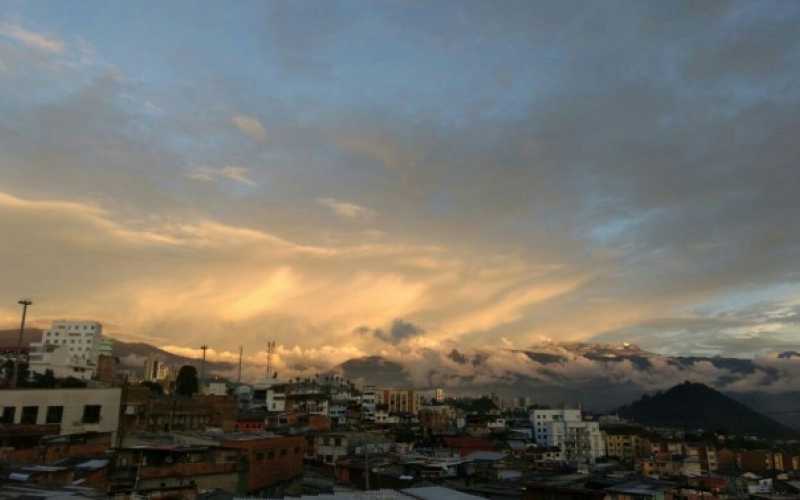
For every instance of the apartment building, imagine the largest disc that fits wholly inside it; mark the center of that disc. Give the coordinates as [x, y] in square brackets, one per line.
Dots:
[74, 411]
[540, 419]
[70, 349]
[399, 400]
[578, 440]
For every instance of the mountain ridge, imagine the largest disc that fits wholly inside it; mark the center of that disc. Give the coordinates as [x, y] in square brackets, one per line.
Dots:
[693, 406]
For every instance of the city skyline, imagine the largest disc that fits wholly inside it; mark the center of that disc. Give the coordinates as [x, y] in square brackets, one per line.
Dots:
[408, 177]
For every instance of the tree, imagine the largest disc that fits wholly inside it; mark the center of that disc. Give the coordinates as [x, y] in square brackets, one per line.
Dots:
[44, 380]
[155, 388]
[72, 383]
[186, 383]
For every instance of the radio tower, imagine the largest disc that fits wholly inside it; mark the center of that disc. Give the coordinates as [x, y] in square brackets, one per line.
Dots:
[270, 351]
[239, 377]
[203, 366]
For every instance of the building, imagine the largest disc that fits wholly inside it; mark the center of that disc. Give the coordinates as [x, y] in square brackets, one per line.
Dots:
[400, 400]
[270, 459]
[70, 349]
[106, 369]
[155, 370]
[578, 440]
[622, 443]
[74, 411]
[49, 448]
[330, 447]
[437, 418]
[541, 418]
[369, 398]
[144, 411]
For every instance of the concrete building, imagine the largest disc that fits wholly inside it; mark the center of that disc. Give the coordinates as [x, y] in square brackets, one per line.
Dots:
[369, 397]
[330, 447]
[70, 349]
[622, 443]
[579, 441]
[400, 400]
[155, 370]
[74, 411]
[540, 419]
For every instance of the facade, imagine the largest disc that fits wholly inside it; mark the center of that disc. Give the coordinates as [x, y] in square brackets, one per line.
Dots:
[541, 418]
[155, 370]
[70, 349]
[330, 447]
[579, 441]
[400, 400]
[270, 459]
[74, 411]
[145, 412]
[622, 444]
[369, 398]
[437, 418]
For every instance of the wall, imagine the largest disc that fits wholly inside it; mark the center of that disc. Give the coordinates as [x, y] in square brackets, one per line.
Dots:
[73, 401]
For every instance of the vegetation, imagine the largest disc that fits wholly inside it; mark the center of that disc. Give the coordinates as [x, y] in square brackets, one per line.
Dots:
[155, 388]
[693, 407]
[187, 384]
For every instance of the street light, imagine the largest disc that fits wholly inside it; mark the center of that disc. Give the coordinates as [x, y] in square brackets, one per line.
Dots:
[15, 374]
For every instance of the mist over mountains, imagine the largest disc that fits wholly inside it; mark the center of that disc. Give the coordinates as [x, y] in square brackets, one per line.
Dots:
[601, 377]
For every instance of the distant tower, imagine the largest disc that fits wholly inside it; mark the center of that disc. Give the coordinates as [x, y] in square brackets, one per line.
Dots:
[270, 351]
[203, 366]
[239, 377]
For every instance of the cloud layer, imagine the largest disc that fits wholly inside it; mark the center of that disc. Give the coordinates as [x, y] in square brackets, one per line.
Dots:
[412, 177]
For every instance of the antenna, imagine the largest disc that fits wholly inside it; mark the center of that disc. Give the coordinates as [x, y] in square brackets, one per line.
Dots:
[203, 365]
[270, 352]
[239, 377]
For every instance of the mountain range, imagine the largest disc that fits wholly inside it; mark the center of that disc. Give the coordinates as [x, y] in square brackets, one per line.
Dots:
[600, 377]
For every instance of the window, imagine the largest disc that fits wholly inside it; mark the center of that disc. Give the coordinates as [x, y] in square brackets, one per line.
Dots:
[283, 452]
[296, 450]
[271, 455]
[8, 415]
[337, 442]
[259, 457]
[29, 414]
[91, 414]
[55, 414]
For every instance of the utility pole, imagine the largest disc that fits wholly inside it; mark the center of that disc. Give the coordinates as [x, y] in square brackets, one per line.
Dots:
[270, 351]
[203, 368]
[366, 467]
[239, 377]
[15, 374]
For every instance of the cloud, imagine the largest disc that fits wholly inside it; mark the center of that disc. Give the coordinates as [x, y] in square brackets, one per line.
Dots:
[31, 39]
[208, 174]
[346, 209]
[399, 331]
[605, 188]
[250, 126]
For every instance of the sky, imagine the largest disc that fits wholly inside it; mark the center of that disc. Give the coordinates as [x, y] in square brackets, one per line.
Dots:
[355, 178]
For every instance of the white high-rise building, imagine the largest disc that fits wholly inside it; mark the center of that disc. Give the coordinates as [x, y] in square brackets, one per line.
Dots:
[542, 418]
[70, 349]
[579, 441]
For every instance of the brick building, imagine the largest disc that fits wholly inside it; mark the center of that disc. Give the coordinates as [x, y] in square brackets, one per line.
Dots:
[269, 460]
